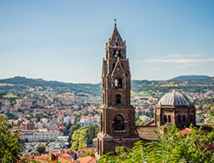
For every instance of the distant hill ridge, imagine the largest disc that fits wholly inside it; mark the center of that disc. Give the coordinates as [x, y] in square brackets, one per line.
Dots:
[191, 77]
[42, 82]
[193, 83]
[60, 86]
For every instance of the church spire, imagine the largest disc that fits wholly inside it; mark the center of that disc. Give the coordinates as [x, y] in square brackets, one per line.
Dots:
[117, 115]
[116, 39]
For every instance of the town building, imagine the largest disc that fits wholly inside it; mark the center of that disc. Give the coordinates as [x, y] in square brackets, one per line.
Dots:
[88, 120]
[175, 108]
[34, 135]
[67, 119]
[28, 126]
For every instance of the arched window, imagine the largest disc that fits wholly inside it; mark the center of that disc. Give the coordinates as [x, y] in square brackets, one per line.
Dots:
[115, 55]
[115, 83]
[119, 54]
[119, 122]
[120, 83]
[184, 119]
[179, 119]
[118, 99]
[117, 44]
[165, 119]
[169, 118]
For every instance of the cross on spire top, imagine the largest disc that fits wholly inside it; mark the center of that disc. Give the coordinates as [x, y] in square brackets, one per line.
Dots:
[115, 20]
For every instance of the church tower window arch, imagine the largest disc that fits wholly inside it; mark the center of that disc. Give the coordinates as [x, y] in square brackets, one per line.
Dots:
[118, 99]
[169, 119]
[118, 83]
[165, 119]
[184, 119]
[119, 122]
[179, 119]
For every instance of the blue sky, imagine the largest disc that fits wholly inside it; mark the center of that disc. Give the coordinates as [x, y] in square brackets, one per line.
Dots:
[65, 40]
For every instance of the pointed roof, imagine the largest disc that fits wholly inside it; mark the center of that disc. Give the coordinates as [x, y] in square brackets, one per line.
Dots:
[116, 39]
[118, 64]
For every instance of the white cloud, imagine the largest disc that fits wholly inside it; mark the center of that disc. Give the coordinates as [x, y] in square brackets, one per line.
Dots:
[184, 66]
[194, 55]
[152, 69]
[1, 37]
[183, 59]
[172, 56]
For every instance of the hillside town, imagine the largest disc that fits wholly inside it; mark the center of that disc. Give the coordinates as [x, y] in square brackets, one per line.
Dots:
[43, 116]
[48, 118]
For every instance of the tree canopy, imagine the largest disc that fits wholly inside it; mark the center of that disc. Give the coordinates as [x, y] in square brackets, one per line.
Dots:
[41, 149]
[10, 143]
[82, 137]
[171, 147]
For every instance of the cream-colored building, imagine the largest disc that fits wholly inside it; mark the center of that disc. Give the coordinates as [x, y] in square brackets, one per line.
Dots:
[33, 135]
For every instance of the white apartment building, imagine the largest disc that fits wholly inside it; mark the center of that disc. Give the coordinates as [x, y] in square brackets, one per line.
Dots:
[44, 120]
[88, 120]
[67, 119]
[33, 135]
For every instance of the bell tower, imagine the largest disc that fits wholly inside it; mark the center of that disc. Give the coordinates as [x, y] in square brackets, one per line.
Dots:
[117, 115]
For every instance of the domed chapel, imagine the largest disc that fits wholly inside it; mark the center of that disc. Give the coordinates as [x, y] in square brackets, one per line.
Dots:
[117, 115]
[175, 108]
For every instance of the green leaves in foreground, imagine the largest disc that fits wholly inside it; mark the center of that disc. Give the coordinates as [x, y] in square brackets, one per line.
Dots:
[10, 143]
[171, 147]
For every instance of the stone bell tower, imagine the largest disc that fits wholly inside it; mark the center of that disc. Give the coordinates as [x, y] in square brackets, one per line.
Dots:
[117, 115]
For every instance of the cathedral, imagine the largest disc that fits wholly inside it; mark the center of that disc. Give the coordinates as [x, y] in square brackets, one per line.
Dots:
[117, 115]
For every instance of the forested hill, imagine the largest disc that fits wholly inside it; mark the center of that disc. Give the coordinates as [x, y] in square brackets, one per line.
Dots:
[190, 77]
[22, 83]
[199, 85]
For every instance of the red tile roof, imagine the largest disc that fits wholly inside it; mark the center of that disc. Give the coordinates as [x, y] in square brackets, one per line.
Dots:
[185, 131]
[87, 159]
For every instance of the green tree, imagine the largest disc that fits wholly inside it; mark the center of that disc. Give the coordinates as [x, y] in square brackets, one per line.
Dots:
[88, 153]
[46, 144]
[73, 128]
[10, 143]
[91, 134]
[26, 140]
[172, 147]
[82, 137]
[41, 149]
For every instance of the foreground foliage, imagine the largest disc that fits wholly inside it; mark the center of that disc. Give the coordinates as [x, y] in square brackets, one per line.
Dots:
[172, 147]
[10, 143]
